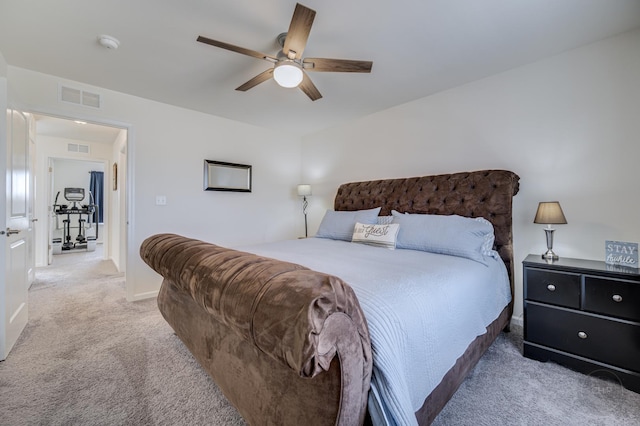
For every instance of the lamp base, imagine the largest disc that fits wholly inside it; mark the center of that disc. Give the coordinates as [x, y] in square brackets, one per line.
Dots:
[549, 255]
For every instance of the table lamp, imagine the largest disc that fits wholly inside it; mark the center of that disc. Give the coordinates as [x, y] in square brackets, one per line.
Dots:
[550, 213]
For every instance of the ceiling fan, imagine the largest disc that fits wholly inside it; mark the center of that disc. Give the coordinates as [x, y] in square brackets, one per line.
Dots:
[289, 66]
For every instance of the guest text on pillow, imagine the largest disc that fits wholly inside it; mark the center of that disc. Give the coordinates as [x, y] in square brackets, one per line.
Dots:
[376, 235]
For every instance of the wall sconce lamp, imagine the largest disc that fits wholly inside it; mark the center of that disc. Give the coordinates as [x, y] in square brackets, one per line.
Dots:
[304, 191]
[550, 213]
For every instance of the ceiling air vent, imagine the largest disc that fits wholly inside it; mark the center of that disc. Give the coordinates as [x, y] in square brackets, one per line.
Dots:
[91, 99]
[79, 97]
[76, 147]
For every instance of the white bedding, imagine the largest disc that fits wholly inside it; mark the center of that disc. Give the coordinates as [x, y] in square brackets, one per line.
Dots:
[422, 310]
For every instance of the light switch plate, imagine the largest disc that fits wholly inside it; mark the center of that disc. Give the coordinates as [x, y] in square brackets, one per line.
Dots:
[161, 200]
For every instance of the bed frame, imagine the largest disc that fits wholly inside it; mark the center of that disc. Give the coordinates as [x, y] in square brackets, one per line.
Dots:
[484, 193]
[227, 307]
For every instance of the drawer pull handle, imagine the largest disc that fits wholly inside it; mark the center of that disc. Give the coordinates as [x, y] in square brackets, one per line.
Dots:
[617, 298]
[551, 287]
[582, 334]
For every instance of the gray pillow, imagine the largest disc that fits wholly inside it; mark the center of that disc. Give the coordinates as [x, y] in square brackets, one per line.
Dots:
[453, 235]
[338, 225]
[385, 220]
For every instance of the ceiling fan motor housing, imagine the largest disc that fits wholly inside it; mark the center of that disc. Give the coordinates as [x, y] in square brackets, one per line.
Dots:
[280, 39]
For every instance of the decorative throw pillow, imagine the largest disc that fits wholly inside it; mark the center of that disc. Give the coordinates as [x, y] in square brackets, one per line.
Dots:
[454, 235]
[376, 235]
[338, 225]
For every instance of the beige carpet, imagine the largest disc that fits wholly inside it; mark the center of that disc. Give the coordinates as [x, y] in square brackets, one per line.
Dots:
[89, 357]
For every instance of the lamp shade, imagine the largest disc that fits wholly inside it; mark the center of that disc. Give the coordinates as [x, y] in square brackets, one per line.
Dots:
[304, 190]
[287, 73]
[550, 213]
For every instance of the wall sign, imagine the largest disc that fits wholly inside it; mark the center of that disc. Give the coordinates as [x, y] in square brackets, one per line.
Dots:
[621, 253]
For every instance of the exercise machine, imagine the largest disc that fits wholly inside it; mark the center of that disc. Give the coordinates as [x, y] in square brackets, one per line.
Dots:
[75, 196]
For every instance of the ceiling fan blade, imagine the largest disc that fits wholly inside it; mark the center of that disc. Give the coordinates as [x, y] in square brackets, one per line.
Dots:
[309, 88]
[336, 65]
[260, 78]
[237, 49]
[298, 33]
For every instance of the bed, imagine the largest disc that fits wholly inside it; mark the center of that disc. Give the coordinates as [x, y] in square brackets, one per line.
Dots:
[290, 342]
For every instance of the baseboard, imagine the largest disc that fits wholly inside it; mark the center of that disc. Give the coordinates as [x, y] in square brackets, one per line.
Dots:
[143, 296]
[517, 320]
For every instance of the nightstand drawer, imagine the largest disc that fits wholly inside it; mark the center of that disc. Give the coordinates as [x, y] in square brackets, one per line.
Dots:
[613, 342]
[612, 297]
[557, 288]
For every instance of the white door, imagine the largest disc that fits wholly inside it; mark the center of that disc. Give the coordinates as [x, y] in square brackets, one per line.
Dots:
[15, 234]
[31, 187]
[52, 217]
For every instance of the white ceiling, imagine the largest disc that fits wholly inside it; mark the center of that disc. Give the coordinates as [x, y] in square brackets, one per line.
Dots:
[80, 131]
[418, 47]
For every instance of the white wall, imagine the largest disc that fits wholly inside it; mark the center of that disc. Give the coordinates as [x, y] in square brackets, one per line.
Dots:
[166, 150]
[74, 174]
[569, 126]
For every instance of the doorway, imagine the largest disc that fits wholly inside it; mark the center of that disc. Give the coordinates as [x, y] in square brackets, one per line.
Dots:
[67, 151]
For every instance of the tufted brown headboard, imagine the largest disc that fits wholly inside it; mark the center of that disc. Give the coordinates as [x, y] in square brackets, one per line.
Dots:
[483, 193]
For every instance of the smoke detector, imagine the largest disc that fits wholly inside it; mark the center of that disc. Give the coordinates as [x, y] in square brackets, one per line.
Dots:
[108, 42]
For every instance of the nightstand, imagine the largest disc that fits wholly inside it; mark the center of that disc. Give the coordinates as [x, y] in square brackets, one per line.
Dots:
[585, 315]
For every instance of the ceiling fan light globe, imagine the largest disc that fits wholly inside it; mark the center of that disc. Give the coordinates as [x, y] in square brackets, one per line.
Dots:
[287, 74]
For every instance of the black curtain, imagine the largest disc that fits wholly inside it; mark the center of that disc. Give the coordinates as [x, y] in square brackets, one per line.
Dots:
[96, 186]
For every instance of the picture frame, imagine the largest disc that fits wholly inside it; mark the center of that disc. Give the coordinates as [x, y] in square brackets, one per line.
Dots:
[223, 176]
[115, 176]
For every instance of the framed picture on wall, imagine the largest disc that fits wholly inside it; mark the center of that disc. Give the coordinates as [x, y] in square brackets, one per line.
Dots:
[115, 176]
[222, 176]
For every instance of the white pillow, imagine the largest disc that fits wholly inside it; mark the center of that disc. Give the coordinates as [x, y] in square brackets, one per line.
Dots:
[376, 235]
[453, 235]
[338, 225]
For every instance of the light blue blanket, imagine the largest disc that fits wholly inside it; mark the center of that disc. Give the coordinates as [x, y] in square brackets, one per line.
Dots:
[422, 309]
